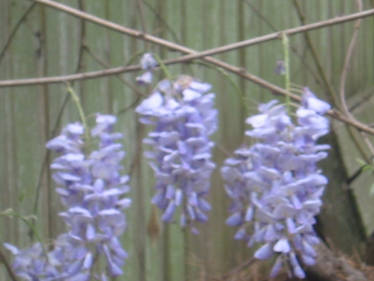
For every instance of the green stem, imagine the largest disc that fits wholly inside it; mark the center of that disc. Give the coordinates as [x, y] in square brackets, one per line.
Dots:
[25, 219]
[80, 109]
[163, 67]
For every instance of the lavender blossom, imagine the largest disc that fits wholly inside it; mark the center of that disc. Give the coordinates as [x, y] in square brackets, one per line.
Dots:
[147, 63]
[276, 186]
[31, 264]
[92, 190]
[183, 117]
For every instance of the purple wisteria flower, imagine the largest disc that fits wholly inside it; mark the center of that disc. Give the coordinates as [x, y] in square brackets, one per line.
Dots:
[92, 189]
[147, 63]
[276, 186]
[31, 264]
[183, 118]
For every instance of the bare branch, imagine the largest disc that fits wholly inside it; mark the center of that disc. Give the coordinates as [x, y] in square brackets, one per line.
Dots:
[194, 54]
[214, 51]
[69, 77]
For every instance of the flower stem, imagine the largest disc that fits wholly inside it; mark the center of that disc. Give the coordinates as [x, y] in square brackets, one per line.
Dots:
[163, 67]
[80, 109]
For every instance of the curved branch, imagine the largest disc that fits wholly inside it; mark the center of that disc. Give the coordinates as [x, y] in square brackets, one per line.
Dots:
[347, 63]
[343, 78]
[14, 31]
[316, 57]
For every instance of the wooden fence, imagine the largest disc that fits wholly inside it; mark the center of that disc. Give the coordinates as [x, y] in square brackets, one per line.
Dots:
[49, 42]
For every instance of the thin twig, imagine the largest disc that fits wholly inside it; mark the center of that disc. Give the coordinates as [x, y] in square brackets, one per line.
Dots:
[69, 77]
[347, 64]
[364, 97]
[139, 4]
[343, 78]
[164, 23]
[194, 54]
[301, 56]
[165, 43]
[15, 29]
[214, 51]
[328, 85]
[44, 165]
[259, 14]
[103, 63]
[82, 39]
[79, 68]
[316, 58]
[42, 66]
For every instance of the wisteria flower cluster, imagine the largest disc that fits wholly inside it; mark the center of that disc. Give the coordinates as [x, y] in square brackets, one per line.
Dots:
[92, 190]
[275, 184]
[183, 118]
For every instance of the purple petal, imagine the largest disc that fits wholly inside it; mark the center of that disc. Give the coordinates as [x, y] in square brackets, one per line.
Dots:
[199, 86]
[276, 267]
[264, 252]
[297, 270]
[282, 246]
[189, 95]
[249, 214]
[148, 62]
[235, 219]
[310, 101]
[169, 212]
[145, 78]
[150, 104]
[88, 261]
[14, 250]
[240, 234]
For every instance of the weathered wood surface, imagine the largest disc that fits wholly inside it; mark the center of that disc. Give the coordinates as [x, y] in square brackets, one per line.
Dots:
[49, 42]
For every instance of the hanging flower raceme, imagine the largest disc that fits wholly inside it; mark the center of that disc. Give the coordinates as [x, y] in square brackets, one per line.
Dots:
[276, 186]
[92, 190]
[183, 118]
